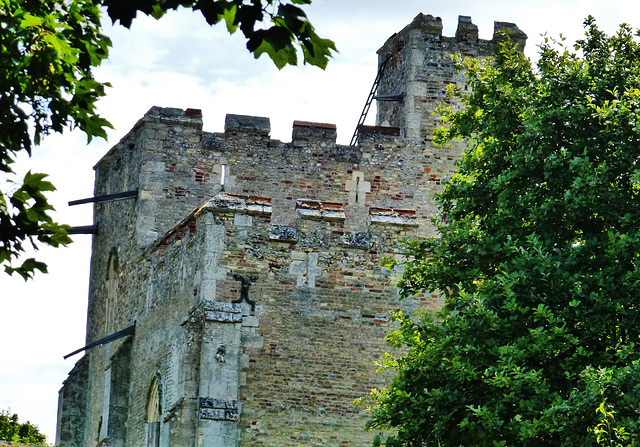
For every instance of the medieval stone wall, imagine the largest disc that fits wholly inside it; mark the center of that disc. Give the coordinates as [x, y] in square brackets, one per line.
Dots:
[251, 268]
[70, 427]
[125, 229]
[322, 304]
[308, 221]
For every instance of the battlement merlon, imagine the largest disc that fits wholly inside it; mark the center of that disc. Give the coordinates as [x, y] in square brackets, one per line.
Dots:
[257, 125]
[503, 29]
[141, 132]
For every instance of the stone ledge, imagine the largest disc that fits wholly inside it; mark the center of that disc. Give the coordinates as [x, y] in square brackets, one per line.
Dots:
[304, 130]
[394, 216]
[223, 312]
[220, 311]
[312, 124]
[174, 114]
[239, 202]
[315, 209]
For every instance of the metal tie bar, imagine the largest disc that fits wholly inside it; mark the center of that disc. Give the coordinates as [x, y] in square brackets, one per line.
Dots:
[397, 97]
[109, 338]
[106, 198]
[85, 229]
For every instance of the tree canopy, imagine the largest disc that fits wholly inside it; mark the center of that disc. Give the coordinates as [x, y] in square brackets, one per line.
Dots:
[48, 50]
[538, 260]
[12, 430]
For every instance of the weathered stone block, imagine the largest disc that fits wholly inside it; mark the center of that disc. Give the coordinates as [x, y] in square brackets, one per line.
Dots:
[242, 220]
[223, 317]
[218, 409]
[251, 321]
[247, 124]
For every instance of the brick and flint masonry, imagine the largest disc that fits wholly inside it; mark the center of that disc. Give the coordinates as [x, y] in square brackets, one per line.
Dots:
[251, 267]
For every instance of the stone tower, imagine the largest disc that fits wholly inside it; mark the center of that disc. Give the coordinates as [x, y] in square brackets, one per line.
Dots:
[418, 67]
[236, 294]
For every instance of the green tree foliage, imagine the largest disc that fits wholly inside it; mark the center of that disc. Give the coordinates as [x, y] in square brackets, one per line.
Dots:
[287, 26]
[48, 50]
[13, 431]
[539, 260]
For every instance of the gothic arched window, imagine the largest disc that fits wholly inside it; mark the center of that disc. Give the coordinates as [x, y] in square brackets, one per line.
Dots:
[154, 413]
[112, 291]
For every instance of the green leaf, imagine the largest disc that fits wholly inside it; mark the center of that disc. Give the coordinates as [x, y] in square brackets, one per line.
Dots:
[276, 43]
[31, 20]
[157, 12]
[294, 17]
[229, 16]
[280, 57]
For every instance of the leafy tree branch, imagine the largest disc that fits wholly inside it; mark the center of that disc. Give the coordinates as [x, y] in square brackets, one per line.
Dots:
[12, 430]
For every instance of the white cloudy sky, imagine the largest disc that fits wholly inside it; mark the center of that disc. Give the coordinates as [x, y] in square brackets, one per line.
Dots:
[179, 61]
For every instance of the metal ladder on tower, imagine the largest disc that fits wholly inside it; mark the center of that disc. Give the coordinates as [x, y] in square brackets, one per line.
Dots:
[370, 98]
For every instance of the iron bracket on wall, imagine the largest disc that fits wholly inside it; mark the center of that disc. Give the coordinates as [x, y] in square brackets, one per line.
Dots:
[109, 338]
[107, 198]
[85, 229]
[245, 283]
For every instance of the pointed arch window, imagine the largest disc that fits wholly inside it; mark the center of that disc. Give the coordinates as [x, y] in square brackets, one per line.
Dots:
[154, 413]
[112, 291]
